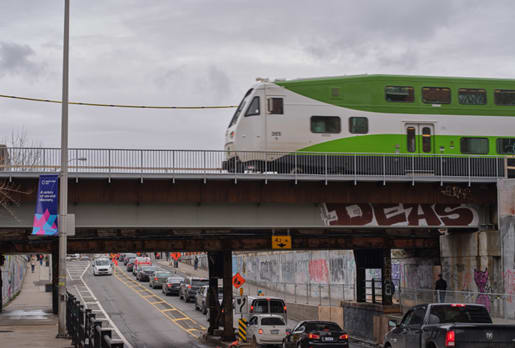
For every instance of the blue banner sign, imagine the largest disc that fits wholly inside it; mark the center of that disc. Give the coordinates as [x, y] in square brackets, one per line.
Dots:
[45, 218]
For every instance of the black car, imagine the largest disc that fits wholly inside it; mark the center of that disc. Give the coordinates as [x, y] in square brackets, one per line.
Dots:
[190, 286]
[126, 257]
[145, 272]
[172, 285]
[130, 264]
[312, 333]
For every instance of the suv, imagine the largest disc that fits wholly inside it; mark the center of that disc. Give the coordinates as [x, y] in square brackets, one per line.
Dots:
[158, 279]
[189, 288]
[250, 306]
[102, 266]
[202, 300]
[140, 261]
[130, 264]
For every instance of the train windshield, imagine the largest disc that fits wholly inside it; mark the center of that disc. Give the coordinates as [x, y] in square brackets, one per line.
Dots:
[240, 108]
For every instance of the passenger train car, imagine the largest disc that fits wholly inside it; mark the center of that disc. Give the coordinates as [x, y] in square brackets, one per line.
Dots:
[285, 125]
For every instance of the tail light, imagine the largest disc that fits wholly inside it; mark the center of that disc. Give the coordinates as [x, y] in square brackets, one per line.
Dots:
[450, 339]
[251, 309]
[344, 337]
[260, 331]
[155, 278]
[169, 285]
[189, 286]
[313, 336]
[284, 308]
[457, 305]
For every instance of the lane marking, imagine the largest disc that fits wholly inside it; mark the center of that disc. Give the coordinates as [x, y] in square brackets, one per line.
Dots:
[101, 308]
[175, 321]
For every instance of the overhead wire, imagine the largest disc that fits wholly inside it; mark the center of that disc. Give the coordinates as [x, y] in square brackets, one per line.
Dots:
[121, 105]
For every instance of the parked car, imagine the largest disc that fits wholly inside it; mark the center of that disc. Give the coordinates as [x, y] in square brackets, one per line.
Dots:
[202, 300]
[145, 272]
[441, 325]
[172, 285]
[130, 264]
[313, 333]
[141, 261]
[102, 267]
[84, 257]
[266, 329]
[158, 279]
[190, 286]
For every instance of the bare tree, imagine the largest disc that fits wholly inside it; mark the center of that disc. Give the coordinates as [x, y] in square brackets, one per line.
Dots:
[16, 154]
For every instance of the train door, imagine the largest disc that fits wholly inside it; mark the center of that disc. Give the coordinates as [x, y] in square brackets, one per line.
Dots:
[420, 138]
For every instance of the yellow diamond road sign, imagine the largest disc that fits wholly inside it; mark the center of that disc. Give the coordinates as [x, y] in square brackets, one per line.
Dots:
[281, 242]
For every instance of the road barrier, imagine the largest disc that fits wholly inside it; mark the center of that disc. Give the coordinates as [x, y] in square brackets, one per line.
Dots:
[84, 329]
[242, 329]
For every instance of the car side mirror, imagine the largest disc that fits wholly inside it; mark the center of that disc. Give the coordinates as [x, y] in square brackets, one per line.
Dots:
[288, 332]
[392, 324]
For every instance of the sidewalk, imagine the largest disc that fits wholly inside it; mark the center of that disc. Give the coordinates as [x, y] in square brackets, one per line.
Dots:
[28, 320]
[185, 268]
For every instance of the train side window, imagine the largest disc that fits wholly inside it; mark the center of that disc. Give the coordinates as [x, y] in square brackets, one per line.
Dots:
[472, 96]
[504, 97]
[253, 109]
[426, 139]
[399, 94]
[506, 146]
[276, 106]
[474, 146]
[436, 95]
[411, 133]
[325, 124]
[358, 125]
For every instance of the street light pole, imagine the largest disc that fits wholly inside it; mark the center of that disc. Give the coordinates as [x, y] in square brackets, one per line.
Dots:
[63, 192]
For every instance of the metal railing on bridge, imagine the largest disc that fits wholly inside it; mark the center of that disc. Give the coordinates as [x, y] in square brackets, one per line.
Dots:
[251, 164]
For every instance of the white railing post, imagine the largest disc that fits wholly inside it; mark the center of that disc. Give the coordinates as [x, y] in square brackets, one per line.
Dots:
[326, 169]
[469, 168]
[355, 169]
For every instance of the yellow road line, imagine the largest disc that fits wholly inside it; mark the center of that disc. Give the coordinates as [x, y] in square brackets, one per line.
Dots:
[168, 310]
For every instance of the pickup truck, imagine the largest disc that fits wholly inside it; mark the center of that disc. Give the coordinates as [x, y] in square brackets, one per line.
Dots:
[441, 325]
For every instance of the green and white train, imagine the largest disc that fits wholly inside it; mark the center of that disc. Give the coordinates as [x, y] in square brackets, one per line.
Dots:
[410, 116]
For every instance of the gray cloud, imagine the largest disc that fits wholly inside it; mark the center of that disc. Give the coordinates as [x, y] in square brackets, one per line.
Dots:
[15, 59]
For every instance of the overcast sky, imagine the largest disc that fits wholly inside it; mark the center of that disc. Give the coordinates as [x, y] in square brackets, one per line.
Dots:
[209, 52]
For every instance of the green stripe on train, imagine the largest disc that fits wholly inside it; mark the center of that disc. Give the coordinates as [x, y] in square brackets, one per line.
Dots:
[387, 143]
[367, 93]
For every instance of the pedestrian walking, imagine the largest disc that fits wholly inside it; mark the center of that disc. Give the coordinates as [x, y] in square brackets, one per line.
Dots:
[40, 257]
[33, 263]
[195, 263]
[441, 287]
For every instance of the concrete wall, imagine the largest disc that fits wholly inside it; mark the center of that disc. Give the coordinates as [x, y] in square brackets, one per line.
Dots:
[13, 273]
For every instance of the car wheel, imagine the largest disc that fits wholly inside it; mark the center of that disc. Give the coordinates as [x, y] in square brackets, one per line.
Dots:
[204, 310]
[284, 344]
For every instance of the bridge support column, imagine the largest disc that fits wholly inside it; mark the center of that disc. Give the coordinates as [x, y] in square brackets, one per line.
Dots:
[215, 266]
[1, 298]
[228, 334]
[55, 277]
[386, 275]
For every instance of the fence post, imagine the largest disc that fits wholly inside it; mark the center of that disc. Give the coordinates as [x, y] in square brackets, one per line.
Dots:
[373, 291]
[295, 292]
[307, 296]
[329, 293]
[320, 294]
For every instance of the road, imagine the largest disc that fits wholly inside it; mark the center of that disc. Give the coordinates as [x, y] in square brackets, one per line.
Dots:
[144, 317]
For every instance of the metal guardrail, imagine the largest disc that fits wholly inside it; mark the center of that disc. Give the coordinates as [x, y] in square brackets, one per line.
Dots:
[84, 329]
[266, 165]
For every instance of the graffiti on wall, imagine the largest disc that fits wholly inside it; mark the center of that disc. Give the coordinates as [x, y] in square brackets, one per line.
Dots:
[318, 271]
[402, 214]
[13, 272]
[481, 280]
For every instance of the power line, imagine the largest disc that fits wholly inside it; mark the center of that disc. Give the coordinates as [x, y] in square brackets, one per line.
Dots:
[121, 105]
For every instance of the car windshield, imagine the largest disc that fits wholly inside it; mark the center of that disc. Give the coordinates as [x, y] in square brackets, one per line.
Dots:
[162, 274]
[148, 269]
[238, 111]
[131, 259]
[272, 321]
[321, 326]
[102, 262]
[175, 280]
[260, 306]
[459, 314]
[199, 282]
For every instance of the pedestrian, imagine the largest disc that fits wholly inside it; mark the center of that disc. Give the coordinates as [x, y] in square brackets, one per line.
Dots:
[196, 263]
[33, 263]
[441, 287]
[40, 259]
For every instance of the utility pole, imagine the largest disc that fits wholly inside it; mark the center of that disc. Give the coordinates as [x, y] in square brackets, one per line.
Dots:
[63, 192]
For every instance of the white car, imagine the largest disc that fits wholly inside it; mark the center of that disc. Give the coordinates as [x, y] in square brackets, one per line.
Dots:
[102, 266]
[266, 329]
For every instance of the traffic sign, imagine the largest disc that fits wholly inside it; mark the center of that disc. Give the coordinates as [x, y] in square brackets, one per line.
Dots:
[237, 280]
[176, 256]
[281, 242]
